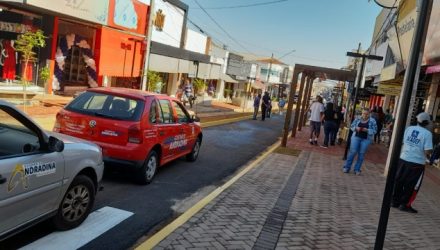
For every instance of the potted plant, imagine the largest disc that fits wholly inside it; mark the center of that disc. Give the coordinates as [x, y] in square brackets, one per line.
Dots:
[44, 76]
[199, 86]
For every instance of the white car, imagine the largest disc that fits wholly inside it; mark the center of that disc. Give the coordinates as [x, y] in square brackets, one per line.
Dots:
[44, 174]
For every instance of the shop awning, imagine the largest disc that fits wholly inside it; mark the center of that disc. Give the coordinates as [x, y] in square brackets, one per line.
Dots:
[433, 69]
[165, 64]
[214, 72]
[227, 78]
[257, 84]
[120, 54]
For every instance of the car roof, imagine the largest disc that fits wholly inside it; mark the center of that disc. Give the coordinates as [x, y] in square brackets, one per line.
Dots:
[126, 92]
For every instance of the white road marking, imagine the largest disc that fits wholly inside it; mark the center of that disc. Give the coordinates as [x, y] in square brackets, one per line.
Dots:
[96, 224]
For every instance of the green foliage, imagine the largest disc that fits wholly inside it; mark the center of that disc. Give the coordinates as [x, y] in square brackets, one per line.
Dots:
[26, 43]
[153, 79]
[44, 74]
[199, 84]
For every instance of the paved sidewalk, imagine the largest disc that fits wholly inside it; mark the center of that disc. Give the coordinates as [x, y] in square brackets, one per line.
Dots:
[329, 209]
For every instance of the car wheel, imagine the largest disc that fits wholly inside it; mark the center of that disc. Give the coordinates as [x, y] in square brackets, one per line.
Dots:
[76, 204]
[195, 151]
[148, 170]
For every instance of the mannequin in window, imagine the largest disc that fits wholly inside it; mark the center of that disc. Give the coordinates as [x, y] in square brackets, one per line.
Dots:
[10, 61]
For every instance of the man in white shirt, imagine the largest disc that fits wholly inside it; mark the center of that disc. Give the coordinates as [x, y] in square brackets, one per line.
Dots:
[316, 111]
[417, 143]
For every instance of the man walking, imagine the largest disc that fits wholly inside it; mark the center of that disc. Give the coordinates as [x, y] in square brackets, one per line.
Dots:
[257, 100]
[417, 143]
[316, 112]
[265, 105]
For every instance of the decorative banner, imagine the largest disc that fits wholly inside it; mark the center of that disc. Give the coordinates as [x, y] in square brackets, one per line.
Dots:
[63, 48]
[15, 27]
[90, 10]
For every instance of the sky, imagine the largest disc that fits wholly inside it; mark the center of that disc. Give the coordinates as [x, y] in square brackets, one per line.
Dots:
[320, 31]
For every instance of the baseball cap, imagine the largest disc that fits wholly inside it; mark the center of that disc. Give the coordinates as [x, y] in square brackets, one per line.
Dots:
[423, 117]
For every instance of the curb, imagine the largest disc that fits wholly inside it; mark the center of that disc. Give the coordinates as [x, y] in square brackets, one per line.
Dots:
[179, 221]
[224, 121]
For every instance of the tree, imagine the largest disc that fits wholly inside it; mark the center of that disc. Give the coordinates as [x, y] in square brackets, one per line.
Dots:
[25, 44]
[153, 80]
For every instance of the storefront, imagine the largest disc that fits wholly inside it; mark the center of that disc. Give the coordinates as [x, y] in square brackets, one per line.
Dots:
[13, 69]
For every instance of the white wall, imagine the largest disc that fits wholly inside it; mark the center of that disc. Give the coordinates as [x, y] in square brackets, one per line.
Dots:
[171, 33]
[195, 41]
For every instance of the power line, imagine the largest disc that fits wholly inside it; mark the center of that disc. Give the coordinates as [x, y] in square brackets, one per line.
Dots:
[244, 5]
[220, 27]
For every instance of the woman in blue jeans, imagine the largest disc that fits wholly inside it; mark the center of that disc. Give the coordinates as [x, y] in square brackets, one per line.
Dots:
[363, 129]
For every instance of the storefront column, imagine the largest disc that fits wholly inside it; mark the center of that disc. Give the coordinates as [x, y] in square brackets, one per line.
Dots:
[386, 102]
[221, 90]
[173, 84]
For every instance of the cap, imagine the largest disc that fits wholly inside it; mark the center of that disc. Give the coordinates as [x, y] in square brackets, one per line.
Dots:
[423, 117]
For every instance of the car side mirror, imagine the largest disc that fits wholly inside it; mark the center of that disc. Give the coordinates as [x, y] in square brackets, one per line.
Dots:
[55, 144]
[194, 118]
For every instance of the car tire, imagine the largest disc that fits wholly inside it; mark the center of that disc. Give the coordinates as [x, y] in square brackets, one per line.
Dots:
[76, 204]
[149, 169]
[195, 151]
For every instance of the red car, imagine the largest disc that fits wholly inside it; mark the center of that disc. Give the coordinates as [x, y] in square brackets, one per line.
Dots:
[134, 128]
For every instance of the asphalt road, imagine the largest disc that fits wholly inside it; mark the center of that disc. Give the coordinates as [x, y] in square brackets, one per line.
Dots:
[177, 186]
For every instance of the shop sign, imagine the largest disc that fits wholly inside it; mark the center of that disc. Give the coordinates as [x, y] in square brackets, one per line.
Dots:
[388, 72]
[168, 24]
[195, 41]
[128, 15]
[93, 11]
[15, 27]
[389, 89]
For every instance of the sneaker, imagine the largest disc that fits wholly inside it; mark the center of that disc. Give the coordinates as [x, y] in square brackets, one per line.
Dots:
[324, 146]
[404, 208]
[310, 141]
[345, 170]
[395, 204]
[316, 142]
[357, 172]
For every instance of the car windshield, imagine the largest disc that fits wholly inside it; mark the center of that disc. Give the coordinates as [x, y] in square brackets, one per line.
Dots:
[107, 106]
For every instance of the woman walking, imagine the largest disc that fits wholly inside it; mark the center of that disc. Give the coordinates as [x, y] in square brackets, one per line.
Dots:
[330, 119]
[364, 129]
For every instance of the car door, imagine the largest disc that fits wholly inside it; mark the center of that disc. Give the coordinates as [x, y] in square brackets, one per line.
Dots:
[31, 177]
[186, 129]
[167, 129]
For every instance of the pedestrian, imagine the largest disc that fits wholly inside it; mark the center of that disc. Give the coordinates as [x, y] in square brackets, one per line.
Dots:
[257, 100]
[281, 104]
[188, 94]
[269, 108]
[417, 144]
[364, 129]
[264, 105]
[316, 111]
[339, 117]
[329, 119]
[379, 121]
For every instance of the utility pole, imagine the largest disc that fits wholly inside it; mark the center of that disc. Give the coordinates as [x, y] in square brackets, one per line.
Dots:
[411, 76]
[358, 85]
[270, 69]
[148, 44]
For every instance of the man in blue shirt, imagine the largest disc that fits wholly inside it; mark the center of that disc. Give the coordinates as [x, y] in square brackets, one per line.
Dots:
[417, 143]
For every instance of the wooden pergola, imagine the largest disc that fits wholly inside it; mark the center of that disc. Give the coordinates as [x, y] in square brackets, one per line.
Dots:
[308, 75]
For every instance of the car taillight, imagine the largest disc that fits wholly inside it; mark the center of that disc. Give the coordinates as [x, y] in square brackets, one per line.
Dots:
[57, 125]
[134, 134]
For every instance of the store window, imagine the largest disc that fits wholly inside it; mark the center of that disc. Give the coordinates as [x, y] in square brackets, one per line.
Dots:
[12, 67]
